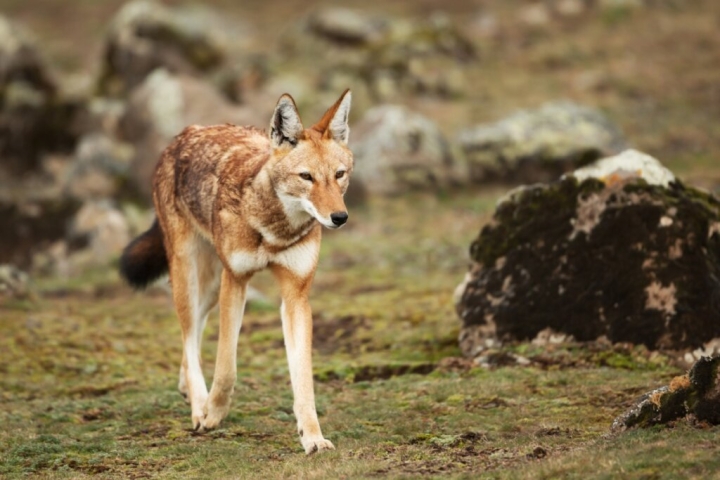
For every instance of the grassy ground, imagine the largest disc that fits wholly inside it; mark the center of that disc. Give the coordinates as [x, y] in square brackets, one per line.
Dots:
[88, 372]
[88, 378]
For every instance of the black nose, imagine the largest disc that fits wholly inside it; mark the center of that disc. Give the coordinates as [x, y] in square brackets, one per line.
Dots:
[339, 218]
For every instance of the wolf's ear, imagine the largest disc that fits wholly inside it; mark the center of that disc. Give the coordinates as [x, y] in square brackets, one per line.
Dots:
[334, 123]
[285, 125]
[339, 123]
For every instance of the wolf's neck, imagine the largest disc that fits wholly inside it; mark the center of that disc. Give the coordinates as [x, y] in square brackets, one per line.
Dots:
[281, 221]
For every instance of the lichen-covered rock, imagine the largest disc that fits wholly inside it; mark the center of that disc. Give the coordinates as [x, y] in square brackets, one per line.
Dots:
[100, 228]
[538, 145]
[14, 283]
[397, 150]
[34, 118]
[32, 217]
[628, 164]
[619, 256]
[391, 56]
[145, 35]
[696, 394]
[342, 25]
[159, 109]
[99, 169]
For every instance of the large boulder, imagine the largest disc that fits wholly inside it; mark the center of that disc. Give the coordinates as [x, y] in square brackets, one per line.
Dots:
[397, 150]
[538, 145]
[159, 109]
[620, 250]
[34, 116]
[146, 35]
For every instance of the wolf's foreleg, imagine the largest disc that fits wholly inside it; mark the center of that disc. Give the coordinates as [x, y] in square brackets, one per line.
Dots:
[297, 331]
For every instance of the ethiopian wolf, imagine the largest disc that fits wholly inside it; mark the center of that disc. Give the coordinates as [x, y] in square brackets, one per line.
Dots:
[231, 201]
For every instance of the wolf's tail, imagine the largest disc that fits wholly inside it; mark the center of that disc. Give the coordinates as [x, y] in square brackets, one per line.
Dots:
[144, 260]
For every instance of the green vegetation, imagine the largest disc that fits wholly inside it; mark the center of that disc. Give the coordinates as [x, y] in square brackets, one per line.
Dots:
[88, 378]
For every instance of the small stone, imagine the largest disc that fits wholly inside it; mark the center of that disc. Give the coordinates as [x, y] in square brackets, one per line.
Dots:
[347, 26]
[14, 282]
[535, 15]
[570, 8]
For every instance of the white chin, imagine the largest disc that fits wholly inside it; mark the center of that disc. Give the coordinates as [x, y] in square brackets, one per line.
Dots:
[329, 225]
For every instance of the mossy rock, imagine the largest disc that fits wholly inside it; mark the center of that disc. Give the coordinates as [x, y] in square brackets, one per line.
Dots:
[615, 257]
[144, 36]
[31, 225]
[391, 56]
[538, 145]
[34, 117]
[696, 394]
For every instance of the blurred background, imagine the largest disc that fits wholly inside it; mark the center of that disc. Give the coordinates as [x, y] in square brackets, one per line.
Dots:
[463, 94]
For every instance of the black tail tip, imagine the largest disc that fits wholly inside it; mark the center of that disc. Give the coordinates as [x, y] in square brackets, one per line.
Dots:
[144, 260]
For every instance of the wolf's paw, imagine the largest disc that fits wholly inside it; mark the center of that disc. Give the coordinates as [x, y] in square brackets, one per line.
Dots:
[198, 422]
[213, 416]
[317, 444]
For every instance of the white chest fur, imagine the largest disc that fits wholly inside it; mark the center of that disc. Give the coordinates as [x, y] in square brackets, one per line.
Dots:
[301, 259]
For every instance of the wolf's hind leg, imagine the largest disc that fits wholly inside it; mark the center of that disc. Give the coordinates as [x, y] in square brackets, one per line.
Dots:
[191, 286]
[208, 271]
[232, 307]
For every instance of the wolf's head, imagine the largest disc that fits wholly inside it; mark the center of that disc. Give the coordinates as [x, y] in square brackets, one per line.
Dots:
[310, 168]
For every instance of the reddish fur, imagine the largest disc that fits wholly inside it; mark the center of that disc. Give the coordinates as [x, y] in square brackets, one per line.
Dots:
[227, 201]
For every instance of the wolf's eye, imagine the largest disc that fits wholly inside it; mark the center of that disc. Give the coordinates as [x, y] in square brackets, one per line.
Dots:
[306, 176]
[340, 174]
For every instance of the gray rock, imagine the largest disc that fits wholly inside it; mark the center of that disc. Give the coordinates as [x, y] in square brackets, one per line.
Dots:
[14, 283]
[159, 109]
[397, 150]
[145, 35]
[570, 8]
[536, 15]
[100, 168]
[617, 255]
[538, 145]
[347, 26]
[102, 229]
[392, 56]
